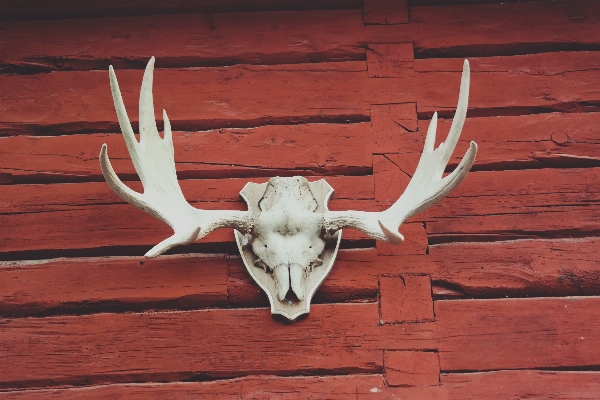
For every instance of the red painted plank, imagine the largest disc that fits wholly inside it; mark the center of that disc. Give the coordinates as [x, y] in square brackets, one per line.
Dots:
[527, 27]
[114, 225]
[385, 12]
[61, 9]
[106, 348]
[91, 285]
[518, 333]
[511, 84]
[16, 199]
[405, 298]
[118, 284]
[525, 384]
[391, 60]
[315, 149]
[501, 205]
[528, 203]
[192, 40]
[411, 368]
[470, 335]
[505, 142]
[198, 99]
[517, 269]
[391, 125]
[523, 268]
[491, 385]
[252, 387]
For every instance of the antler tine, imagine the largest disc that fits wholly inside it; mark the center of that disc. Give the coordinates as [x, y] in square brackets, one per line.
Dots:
[153, 159]
[148, 129]
[113, 180]
[426, 187]
[122, 116]
[459, 116]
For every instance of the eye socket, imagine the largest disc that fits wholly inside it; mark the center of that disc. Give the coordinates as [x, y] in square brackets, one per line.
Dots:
[265, 246]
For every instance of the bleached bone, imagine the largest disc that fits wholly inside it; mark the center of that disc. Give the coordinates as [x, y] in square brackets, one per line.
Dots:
[426, 187]
[288, 238]
[153, 159]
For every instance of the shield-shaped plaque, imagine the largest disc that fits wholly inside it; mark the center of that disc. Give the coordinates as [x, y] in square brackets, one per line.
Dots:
[291, 306]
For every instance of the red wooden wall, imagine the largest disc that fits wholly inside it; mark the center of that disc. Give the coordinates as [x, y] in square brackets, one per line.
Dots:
[494, 294]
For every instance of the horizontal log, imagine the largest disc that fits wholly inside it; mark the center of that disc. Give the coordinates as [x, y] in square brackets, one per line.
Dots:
[17, 199]
[313, 149]
[69, 286]
[527, 27]
[192, 40]
[203, 98]
[518, 333]
[509, 85]
[280, 37]
[523, 384]
[525, 268]
[502, 205]
[559, 385]
[99, 219]
[339, 387]
[108, 348]
[522, 268]
[61, 9]
[52, 287]
[385, 12]
[528, 203]
[113, 348]
[506, 142]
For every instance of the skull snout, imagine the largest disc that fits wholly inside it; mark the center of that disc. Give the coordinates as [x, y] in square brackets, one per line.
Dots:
[289, 276]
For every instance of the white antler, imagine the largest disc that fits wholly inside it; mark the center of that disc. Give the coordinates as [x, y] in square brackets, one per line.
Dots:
[153, 159]
[426, 187]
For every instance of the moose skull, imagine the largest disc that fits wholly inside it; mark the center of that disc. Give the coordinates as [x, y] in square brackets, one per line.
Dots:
[288, 247]
[288, 238]
[287, 235]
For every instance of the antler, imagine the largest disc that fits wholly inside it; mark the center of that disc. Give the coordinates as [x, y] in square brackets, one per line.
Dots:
[153, 159]
[426, 186]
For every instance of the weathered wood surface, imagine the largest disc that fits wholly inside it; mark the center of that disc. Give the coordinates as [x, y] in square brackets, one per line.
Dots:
[487, 206]
[509, 85]
[36, 198]
[334, 92]
[197, 98]
[523, 268]
[34, 215]
[192, 40]
[494, 205]
[532, 203]
[284, 37]
[502, 205]
[75, 286]
[188, 345]
[263, 151]
[475, 334]
[405, 298]
[567, 267]
[526, 27]
[385, 12]
[344, 95]
[491, 385]
[555, 140]
[411, 368]
[517, 269]
[63, 9]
